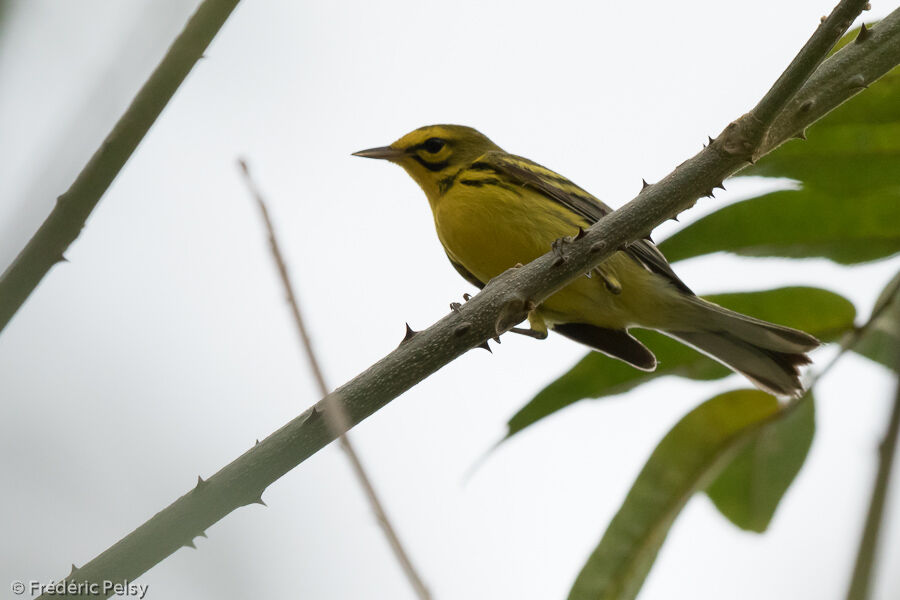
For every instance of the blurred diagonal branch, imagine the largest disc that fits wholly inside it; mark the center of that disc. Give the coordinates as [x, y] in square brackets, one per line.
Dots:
[72, 209]
[505, 300]
[868, 546]
[860, 583]
[334, 413]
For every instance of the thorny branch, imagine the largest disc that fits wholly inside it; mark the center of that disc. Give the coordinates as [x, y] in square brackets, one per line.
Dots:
[72, 209]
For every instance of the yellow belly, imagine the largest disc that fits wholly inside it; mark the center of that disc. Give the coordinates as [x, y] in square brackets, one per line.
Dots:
[489, 229]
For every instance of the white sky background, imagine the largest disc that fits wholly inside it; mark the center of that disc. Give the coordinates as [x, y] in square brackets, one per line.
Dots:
[165, 348]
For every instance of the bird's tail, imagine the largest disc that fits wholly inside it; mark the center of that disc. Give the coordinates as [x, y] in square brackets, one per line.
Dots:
[769, 355]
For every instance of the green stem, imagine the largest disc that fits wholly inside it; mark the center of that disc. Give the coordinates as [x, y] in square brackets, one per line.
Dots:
[860, 584]
[72, 209]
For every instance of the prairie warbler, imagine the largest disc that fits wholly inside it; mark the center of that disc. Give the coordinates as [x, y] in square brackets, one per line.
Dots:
[493, 210]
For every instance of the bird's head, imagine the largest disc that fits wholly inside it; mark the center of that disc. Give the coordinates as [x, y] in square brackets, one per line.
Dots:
[432, 153]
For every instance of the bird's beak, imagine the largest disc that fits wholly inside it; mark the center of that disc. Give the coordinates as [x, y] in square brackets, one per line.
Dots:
[383, 153]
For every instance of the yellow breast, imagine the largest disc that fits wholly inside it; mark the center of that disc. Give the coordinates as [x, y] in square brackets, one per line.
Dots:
[488, 228]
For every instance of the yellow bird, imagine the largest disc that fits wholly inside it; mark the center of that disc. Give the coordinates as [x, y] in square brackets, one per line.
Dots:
[493, 210]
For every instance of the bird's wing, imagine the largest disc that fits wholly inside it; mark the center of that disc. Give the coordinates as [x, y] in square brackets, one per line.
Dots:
[562, 191]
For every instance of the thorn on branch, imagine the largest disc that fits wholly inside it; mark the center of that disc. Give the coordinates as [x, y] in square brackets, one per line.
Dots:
[200, 482]
[486, 347]
[314, 413]
[644, 184]
[190, 544]
[258, 500]
[409, 334]
[720, 185]
[581, 233]
[864, 34]
[800, 135]
[202, 534]
[74, 569]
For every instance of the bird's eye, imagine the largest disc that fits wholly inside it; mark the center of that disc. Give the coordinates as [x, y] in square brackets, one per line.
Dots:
[433, 145]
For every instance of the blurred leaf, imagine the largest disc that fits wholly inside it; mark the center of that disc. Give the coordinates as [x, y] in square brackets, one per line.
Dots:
[848, 207]
[824, 314]
[881, 342]
[685, 461]
[798, 224]
[749, 489]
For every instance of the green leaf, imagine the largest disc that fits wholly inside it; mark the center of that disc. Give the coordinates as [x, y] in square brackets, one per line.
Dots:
[824, 314]
[687, 459]
[749, 489]
[848, 206]
[798, 224]
[881, 341]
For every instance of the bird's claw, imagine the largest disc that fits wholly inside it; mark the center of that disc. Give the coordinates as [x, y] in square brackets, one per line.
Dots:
[538, 335]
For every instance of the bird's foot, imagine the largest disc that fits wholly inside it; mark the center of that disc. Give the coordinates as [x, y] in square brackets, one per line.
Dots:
[612, 284]
[538, 335]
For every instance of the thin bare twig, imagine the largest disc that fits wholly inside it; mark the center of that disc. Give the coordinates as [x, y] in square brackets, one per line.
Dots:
[855, 335]
[334, 412]
[868, 545]
[860, 584]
